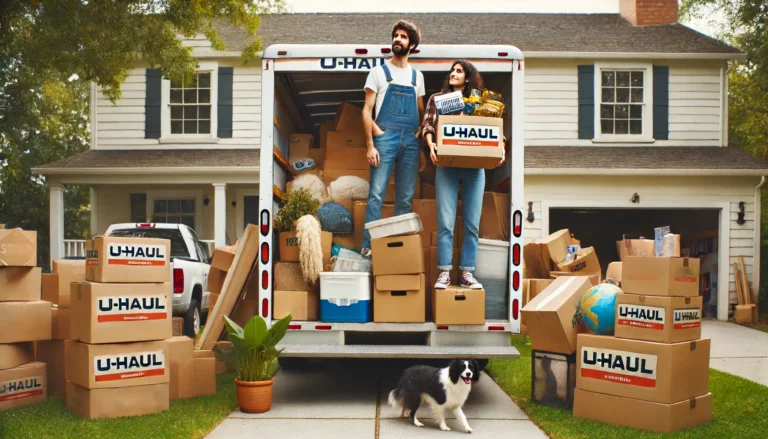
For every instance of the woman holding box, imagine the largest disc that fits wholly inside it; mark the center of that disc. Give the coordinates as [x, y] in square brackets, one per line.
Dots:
[462, 78]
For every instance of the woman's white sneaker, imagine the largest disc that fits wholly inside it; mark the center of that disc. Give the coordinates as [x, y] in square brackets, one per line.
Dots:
[469, 281]
[443, 281]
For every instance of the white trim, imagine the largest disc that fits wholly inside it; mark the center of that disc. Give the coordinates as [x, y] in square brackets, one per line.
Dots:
[94, 212]
[647, 136]
[267, 175]
[724, 233]
[757, 239]
[220, 214]
[425, 51]
[636, 55]
[725, 106]
[94, 128]
[648, 172]
[197, 194]
[56, 221]
[148, 170]
[517, 184]
[722, 103]
[165, 110]
[240, 195]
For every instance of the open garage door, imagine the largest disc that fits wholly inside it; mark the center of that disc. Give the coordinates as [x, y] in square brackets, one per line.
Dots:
[601, 228]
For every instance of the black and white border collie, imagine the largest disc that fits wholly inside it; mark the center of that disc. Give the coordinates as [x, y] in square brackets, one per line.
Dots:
[446, 388]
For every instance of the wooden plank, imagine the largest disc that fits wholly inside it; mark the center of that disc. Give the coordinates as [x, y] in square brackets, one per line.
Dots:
[744, 282]
[739, 293]
[282, 161]
[242, 268]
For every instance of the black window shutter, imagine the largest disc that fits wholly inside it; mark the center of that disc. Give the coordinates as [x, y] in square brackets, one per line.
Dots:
[152, 103]
[586, 101]
[661, 102]
[225, 102]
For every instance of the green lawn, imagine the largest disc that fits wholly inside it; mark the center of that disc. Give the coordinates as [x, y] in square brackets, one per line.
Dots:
[187, 418]
[761, 325]
[740, 406]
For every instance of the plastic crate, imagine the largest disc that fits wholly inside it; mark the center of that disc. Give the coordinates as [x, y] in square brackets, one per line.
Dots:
[553, 379]
[408, 224]
[491, 270]
[345, 297]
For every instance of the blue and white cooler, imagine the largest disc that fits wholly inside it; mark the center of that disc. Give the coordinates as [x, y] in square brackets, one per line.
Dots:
[345, 297]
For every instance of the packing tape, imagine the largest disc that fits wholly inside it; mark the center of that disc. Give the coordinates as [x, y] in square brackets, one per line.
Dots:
[557, 292]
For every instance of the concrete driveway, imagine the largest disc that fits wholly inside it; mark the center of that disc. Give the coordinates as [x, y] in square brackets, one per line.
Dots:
[347, 399]
[737, 350]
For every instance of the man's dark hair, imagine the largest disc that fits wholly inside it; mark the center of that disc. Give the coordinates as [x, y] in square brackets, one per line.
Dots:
[414, 35]
[471, 74]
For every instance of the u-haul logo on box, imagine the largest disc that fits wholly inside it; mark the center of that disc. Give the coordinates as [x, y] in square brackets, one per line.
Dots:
[138, 255]
[620, 367]
[131, 309]
[639, 316]
[470, 135]
[28, 387]
[687, 318]
[129, 366]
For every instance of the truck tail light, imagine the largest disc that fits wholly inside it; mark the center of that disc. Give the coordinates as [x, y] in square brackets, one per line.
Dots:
[178, 280]
[503, 54]
[361, 51]
[495, 328]
[264, 308]
[386, 50]
[145, 225]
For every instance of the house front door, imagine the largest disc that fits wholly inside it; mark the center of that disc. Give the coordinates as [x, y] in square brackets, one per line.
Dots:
[250, 210]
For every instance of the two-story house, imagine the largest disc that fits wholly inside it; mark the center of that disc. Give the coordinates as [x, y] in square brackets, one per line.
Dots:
[625, 130]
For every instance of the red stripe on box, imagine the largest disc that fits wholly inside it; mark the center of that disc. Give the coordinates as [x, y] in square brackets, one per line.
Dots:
[130, 375]
[618, 378]
[643, 325]
[136, 262]
[457, 142]
[686, 279]
[687, 325]
[22, 395]
[133, 317]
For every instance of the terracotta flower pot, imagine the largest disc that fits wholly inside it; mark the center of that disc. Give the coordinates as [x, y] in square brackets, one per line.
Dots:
[254, 396]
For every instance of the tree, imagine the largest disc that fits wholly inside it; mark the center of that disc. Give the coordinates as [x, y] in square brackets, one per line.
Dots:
[51, 50]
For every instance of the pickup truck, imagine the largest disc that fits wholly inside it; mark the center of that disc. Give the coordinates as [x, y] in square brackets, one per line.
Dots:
[190, 263]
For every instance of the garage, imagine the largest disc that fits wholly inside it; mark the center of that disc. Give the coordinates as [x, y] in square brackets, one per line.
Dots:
[601, 228]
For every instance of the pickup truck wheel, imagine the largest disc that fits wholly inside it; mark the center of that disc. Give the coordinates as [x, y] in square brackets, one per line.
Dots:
[192, 319]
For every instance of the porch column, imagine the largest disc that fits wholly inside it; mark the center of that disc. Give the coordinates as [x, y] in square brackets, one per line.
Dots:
[56, 192]
[94, 213]
[220, 214]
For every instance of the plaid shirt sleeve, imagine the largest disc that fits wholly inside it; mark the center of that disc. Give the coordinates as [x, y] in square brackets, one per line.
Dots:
[429, 125]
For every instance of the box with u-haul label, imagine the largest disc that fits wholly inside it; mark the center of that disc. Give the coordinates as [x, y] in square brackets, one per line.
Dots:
[656, 372]
[119, 313]
[661, 319]
[127, 260]
[23, 385]
[470, 141]
[102, 366]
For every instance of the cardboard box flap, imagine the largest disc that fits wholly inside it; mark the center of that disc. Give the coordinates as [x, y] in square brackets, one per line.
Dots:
[69, 266]
[410, 282]
[557, 293]
[557, 245]
[18, 248]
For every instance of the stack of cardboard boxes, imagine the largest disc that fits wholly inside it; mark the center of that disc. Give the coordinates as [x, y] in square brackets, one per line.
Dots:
[399, 293]
[654, 373]
[118, 359]
[293, 294]
[24, 319]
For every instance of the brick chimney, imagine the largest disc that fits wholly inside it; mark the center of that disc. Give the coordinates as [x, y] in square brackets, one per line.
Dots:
[648, 12]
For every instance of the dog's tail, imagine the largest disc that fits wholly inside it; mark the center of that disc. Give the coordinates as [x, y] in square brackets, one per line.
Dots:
[393, 400]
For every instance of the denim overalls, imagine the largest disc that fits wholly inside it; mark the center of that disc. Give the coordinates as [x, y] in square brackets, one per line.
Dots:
[398, 149]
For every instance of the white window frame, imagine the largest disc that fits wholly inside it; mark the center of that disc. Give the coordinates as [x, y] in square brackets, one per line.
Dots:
[197, 195]
[647, 135]
[165, 125]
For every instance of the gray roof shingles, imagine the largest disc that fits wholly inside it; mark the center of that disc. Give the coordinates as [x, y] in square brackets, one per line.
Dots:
[526, 31]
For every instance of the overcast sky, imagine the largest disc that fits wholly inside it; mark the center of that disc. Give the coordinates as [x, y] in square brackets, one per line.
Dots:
[573, 6]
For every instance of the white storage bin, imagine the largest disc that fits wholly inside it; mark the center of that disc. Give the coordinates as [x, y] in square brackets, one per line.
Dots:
[345, 297]
[408, 224]
[491, 269]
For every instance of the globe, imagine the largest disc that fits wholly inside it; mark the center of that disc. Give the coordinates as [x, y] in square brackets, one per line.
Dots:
[598, 308]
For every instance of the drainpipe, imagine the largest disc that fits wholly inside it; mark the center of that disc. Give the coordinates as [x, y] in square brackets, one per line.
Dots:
[758, 244]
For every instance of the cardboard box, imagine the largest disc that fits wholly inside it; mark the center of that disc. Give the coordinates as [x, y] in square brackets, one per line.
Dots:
[470, 141]
[532, 288]
[348, 118]
[205, 373]
[288, 277]
[23, 385]
[346, 241]
[69, 266]
[223, 257]
[16, 354]
[53, 354]
[656, 372]
[458, 306]
[427, 211]
[180, 355]
[289, 247]
[555, 246]
[635, 413]
[298, 146]
[100, 366]
[660, 276]
[358, 214]
[399, 299]
[115, 403]
[60, 324]
[614, 272]
[322, 132]
[215, 282]
[177, 323]
[585, 263]
[433, 263]
[348, 158]
[549, 316]
[57, 287]
[244, 311]
[593, 278]
[494, 220]
[635, 247]
[318, 155]
[428, 192]
[303, 305]
[25, 321]
[117, 259]
[346, 139]
[120, 313]
[535, 264]
[18, 248]
[743, 314]
[20, 284]
[397, 255]
[660, 319]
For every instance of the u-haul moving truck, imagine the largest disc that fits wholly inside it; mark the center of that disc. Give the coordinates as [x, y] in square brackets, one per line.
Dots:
[320, 77]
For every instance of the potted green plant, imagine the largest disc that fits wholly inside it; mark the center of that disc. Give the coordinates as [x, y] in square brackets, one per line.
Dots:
[254, 355]
[299, 202]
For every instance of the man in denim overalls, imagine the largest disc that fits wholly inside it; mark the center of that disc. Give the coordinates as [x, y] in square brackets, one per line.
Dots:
[396, 89]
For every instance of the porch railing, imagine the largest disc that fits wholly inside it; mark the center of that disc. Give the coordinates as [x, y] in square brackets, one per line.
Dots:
[76, 247]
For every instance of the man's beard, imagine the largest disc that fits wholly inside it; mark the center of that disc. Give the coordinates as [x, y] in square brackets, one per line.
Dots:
[399, 50]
